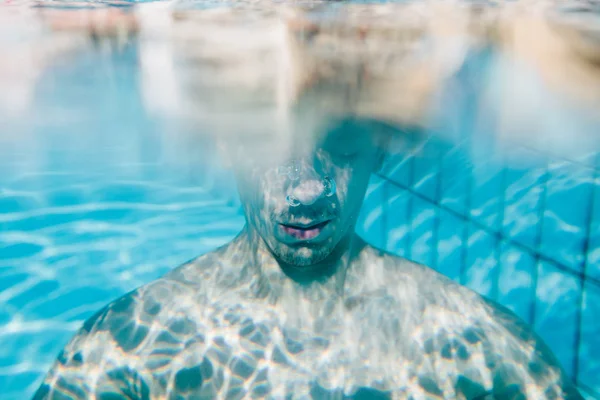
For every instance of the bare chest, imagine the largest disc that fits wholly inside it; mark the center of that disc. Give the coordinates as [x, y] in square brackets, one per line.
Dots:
[239, 349]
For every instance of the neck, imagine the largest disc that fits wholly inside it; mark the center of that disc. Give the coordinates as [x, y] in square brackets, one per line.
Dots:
[275, 278]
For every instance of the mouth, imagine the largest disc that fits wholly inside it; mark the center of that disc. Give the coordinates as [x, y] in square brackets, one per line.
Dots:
[304, 232]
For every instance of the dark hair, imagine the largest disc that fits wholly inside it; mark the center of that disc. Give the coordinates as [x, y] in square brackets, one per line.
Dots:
[390, 136]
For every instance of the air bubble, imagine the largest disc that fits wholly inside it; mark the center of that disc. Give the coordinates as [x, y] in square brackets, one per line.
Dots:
[294, 172]
[292, 201]
[330, 186]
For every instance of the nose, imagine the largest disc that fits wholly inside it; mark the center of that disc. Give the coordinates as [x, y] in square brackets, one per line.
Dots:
[308, 192]
[307, 184]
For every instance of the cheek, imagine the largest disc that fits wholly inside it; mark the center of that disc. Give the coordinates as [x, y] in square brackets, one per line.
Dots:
[343, 180]
[263, 193]
[250, 190]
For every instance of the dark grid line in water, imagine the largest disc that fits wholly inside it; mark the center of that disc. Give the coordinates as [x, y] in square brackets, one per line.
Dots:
[409, 201]
[498, 245]
[541, 208]
[500, 223]
[498, 235]
[409, 236]
[465, 238]
[435, 234]
[384, 210]
[584, 277]
[496, 272]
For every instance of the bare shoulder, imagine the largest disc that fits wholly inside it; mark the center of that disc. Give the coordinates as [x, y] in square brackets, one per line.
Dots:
[456, 323]
[121, 347]
[134, 322]
[418, 280]
[528, 349]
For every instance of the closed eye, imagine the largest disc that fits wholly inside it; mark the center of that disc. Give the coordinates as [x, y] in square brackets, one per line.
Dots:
[349, 154]
[345, 150]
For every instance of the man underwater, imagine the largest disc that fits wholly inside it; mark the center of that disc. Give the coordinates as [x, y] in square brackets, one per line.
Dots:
[298, 306]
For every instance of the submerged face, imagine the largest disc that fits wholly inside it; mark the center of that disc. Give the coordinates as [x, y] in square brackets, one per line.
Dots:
[305, 204]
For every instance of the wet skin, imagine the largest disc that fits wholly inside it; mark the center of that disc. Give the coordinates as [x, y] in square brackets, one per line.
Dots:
[299, 306]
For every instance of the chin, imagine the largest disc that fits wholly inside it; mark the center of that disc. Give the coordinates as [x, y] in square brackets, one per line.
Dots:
[303, 257]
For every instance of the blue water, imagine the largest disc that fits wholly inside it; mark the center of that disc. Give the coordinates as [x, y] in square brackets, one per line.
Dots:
[93, 204]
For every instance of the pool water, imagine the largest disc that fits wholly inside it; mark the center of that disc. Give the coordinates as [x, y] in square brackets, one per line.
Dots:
[94, 202]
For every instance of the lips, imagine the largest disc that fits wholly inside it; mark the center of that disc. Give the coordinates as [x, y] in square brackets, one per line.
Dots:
[304, 232]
